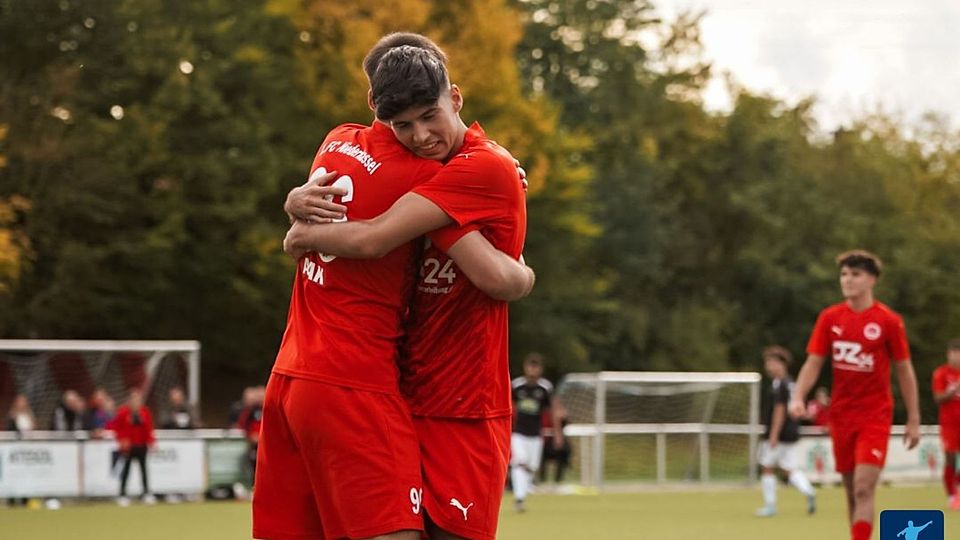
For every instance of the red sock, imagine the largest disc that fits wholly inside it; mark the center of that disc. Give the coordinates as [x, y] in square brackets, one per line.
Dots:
[950, 479]
[861, 530]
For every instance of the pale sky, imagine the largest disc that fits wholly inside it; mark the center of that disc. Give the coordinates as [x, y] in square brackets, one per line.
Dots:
[856, 55]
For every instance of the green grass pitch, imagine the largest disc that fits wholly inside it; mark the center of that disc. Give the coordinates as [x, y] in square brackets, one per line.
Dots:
[710, 514]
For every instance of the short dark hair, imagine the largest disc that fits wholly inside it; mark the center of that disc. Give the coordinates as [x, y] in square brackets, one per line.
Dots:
[778, 352]
[533, 359]
[862, 259]
[406, 77]
[399, 39]
[953, 344]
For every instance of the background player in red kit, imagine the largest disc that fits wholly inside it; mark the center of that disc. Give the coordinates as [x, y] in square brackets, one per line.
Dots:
[334, 388]
[455, 372]
[862, 336]
[946, 392]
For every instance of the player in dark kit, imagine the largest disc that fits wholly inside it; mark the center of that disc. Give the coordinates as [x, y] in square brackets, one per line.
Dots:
[455, 373]
[532, 398]
[863, 337]
[781, 433]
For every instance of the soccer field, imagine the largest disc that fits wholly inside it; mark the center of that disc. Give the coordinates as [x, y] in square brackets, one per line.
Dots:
[721, 514]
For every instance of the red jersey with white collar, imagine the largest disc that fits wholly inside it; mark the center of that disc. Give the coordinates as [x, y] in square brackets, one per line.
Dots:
[945, 377]
[861, 345]
[455, 362]
[344, 323]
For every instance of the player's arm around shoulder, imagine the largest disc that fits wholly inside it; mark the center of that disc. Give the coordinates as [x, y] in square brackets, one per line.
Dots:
[491, 270]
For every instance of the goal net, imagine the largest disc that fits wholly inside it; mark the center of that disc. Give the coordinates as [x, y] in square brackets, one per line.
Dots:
[43, 370]
[660, 427]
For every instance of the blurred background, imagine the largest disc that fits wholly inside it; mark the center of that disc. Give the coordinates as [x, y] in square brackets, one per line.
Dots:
[694, 168]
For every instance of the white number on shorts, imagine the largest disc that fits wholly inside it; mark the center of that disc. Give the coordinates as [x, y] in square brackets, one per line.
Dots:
[416, 496]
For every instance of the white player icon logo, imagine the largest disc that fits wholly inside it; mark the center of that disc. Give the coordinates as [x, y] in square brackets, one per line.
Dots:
[910, 532]
[454, 502]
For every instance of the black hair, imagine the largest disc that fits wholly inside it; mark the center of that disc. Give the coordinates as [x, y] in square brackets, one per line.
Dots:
[399, 39]
[406, 77]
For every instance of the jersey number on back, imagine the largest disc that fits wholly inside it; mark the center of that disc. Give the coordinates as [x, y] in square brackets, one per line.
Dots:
[344, 182]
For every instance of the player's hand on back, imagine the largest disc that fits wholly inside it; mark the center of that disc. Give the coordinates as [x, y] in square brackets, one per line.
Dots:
[313, 201]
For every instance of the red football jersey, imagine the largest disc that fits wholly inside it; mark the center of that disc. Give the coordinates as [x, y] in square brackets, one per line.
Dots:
[455, 362]
[862, 346]
[345, 317]
[943, 378]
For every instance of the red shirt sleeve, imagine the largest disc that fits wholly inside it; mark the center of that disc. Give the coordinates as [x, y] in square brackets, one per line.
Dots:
[899, 346]
[819, 343]
[474, 187]
[448, 236]
[148, 426]
[939, 381]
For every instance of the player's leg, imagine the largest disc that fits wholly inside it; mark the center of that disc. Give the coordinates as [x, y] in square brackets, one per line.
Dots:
[844, 456]
[283, 504]
[865, 478]
[519, 469]
[870, 455]
[362, 459]
[141, 455]
[124, 471]
[768, 480]
[950, 437]
[848, 492]
[465, 463]
[788, 463]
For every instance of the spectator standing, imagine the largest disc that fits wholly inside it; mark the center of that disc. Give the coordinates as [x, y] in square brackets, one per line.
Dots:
[552, 452]
[179, 414]
[250, 419]
[134, 431]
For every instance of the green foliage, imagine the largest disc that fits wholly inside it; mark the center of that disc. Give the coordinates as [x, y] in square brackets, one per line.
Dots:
[148, 146]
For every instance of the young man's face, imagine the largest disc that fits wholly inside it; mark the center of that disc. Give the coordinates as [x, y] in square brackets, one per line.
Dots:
[953, 358]
[855, 282]
[532, 371]
[431, 131]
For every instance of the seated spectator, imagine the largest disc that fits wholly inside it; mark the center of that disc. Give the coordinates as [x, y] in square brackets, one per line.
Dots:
[818, 409]
[179, 414]
[20, 418]
[68, 416]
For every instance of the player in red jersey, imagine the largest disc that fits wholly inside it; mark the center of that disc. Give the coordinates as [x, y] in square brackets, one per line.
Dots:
[334, 387]
[862, 337]
[946, 392]
[454, 371]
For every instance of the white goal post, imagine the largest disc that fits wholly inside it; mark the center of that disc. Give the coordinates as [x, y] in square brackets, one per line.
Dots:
[663, 426]
[42, 369]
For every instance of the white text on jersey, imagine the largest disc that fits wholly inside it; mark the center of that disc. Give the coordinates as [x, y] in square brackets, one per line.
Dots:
[354, 151]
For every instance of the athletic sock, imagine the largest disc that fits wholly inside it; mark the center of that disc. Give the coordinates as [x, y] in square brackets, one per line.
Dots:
[799, 481]
[521, 482]
[769, 484]
[861, 530]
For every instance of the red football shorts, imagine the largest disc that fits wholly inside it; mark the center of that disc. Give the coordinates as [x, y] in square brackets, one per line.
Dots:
[464, 472]
[950, 436]
[334, 462]
[864, 444]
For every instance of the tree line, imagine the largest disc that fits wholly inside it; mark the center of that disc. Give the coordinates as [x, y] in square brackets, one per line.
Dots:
[146, 147]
